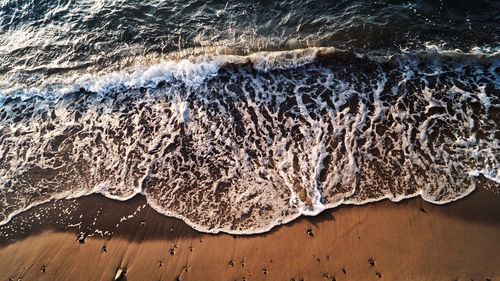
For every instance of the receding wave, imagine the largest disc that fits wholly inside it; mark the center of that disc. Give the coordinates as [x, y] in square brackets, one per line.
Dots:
[243, 143]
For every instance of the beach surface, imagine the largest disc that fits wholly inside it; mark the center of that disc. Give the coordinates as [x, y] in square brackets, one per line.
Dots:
[249, 140]
[94, 238]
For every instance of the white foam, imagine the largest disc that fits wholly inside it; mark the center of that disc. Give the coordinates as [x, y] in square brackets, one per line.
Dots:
[183, 147]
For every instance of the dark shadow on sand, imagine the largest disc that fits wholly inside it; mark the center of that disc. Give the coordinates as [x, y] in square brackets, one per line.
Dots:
[136, 221]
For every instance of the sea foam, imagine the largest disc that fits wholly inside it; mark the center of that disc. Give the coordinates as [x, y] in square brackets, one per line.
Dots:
[241, 144]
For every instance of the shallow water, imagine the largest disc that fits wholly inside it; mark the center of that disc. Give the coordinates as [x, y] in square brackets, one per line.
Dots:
[241, 116]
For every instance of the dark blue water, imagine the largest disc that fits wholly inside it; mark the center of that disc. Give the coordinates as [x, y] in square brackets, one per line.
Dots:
[49, 36]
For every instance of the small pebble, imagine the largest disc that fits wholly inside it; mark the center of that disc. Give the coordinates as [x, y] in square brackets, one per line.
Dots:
[81, 238]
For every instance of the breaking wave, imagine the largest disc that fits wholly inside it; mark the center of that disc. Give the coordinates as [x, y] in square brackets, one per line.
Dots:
[241, 144]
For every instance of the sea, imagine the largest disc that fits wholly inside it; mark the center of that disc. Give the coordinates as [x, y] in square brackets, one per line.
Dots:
[238, 116]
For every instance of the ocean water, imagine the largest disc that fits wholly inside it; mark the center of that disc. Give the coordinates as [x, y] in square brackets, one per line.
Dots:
[238, 116]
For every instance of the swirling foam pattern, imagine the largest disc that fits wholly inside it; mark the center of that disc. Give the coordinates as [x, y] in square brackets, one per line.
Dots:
[243, 143]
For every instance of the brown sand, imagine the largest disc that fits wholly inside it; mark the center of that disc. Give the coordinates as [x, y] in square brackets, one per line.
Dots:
[411, 240]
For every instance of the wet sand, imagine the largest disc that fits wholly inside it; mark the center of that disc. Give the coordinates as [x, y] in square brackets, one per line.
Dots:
[410, 240]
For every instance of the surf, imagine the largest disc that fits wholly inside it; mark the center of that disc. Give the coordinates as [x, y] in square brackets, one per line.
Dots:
[242, 143]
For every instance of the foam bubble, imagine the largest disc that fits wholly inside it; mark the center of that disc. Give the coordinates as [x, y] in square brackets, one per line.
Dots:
[243, 143]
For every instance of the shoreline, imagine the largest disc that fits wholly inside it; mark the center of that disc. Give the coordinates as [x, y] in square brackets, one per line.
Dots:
[382, 240]
[328, 207]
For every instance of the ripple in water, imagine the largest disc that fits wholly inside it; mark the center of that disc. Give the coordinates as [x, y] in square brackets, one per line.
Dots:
[243, 143]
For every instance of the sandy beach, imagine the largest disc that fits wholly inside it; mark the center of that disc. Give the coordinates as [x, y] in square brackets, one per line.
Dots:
[410, 240]
[249, 140]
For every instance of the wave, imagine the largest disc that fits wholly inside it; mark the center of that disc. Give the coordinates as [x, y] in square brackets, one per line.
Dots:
[242, 143]
[41, 38]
